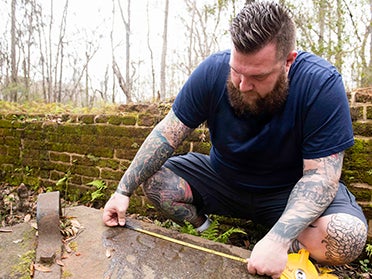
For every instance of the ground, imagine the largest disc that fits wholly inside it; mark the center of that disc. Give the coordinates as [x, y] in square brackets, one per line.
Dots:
[18, 204]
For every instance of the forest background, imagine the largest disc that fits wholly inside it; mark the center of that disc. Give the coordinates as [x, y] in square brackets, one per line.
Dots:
[90, 52]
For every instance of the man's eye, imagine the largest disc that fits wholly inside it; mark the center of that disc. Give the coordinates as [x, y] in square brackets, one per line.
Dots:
[260, 78]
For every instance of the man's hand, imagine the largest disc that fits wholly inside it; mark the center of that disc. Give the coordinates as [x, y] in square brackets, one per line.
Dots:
[115, 209]
[268, 257]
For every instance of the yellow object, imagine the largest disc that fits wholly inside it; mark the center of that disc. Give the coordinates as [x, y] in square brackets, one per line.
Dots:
[300, 267]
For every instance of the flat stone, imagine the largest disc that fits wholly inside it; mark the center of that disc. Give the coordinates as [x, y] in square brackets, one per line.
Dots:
[103, 252]
[17, 248]
[49, 246]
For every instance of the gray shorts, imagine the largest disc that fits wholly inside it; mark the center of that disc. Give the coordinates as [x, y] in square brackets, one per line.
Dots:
[213, 195]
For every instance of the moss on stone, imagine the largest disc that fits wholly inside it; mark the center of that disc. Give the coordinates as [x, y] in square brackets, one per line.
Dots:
[115, 119]
[363, 128]
[87, 118]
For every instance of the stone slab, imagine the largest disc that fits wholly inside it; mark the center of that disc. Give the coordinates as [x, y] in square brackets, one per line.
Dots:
[15, 247]
[103, 252]
[49, 246]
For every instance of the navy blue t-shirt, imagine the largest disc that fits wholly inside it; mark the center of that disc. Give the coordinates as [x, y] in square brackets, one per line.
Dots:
[259, 152]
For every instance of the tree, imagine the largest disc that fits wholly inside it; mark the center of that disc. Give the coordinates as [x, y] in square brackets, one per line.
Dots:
[125, 84]
[13, 55]
[366, 51]
[164, 53]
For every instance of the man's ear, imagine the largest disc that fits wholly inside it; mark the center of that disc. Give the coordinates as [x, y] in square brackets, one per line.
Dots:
[290, 59]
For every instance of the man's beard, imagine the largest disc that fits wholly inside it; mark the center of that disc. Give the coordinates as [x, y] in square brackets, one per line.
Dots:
[269, 104]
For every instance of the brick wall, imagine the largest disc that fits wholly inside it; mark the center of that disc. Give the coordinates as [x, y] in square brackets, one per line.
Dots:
[39, 150]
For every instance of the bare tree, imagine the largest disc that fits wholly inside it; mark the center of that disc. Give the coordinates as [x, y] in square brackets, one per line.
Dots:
[164, 53]
[153, 80]
[366, 50]
[125, 84]
[13, 58]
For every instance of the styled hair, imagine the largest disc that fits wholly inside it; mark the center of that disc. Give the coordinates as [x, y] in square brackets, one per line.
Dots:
[261, 23]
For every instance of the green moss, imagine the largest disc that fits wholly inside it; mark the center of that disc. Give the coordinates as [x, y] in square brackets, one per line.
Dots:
[115, 119]
[369, 112]
[87, 119]
[129, 120]
[22, 269]
[363, 129]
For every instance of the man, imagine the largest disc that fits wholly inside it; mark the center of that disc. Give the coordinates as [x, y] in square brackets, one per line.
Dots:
[279, 123]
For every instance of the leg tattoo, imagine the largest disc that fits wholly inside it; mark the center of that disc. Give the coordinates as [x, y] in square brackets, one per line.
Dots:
[346, 237]
[172, 195]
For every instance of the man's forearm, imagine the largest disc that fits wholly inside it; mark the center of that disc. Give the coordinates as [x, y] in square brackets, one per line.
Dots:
[310, 197]
[151, 156]
[155, 150]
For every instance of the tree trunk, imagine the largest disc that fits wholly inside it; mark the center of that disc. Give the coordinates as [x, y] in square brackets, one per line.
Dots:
[164, 53]
[13, 58]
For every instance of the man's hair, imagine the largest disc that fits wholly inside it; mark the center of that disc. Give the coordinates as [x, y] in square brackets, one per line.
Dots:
[261, 23]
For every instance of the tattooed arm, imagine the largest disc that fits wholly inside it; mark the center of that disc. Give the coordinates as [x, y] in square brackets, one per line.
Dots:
[309, 198]
[155, 150]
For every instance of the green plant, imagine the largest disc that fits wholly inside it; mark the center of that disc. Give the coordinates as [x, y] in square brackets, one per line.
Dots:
[369, 250]
[364, 265]
[100, 186]
[63, 182]
[213, 232]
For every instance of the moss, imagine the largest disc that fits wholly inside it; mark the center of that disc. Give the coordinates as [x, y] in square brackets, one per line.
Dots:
[22, 269]
[363, 129]
[87, 119]
[129, 120]
[369, 112]
[115, 119]
[112, 175]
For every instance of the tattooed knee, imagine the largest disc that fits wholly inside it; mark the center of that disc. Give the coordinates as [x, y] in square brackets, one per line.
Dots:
[345, 238]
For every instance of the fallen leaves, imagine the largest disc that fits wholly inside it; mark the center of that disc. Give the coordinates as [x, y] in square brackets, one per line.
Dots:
[42, 268]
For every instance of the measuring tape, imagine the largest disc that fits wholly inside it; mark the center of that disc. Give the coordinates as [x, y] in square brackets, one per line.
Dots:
[298, 266]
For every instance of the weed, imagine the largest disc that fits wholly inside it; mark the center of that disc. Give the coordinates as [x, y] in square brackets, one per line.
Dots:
[213, 232]
[63, 183]
[369, 250]
[100, 186]
[364, 265]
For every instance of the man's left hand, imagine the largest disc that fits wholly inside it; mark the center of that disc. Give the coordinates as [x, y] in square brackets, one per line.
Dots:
[268, 257]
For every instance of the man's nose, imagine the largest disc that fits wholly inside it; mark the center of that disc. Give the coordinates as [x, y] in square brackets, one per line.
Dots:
[245, 84]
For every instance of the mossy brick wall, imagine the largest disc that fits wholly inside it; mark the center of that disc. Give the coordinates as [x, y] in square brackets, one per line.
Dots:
[39, 150]
[357, 170]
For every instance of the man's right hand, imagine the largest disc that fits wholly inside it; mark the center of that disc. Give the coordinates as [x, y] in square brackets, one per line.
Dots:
[115, 209]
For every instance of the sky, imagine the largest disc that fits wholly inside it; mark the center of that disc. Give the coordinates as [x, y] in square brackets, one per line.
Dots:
[92, 19]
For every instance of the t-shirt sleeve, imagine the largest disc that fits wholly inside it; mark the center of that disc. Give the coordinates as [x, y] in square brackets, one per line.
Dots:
[199, 94]
[327, 123]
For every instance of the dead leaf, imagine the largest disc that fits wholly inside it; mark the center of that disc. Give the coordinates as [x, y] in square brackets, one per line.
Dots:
[42, 268]
[17, 241]
[109, 252]
[78, 254]
[34, 225]
[67, 247]
[60, 263]
[27, 218]
[32, 269]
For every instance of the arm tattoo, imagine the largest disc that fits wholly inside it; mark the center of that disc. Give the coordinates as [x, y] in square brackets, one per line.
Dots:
[155, 150]
[310, 196]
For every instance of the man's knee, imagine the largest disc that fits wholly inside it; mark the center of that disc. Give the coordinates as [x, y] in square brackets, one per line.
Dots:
[335, 239]
[165, 188]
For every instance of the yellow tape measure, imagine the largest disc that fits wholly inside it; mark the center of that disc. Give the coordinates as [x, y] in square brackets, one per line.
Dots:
[298, 266]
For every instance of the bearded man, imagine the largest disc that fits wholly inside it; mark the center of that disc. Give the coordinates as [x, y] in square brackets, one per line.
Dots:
[279, 123]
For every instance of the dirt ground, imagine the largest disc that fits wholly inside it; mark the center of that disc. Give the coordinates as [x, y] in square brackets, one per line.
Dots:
[18, 205]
